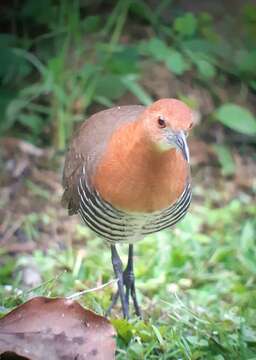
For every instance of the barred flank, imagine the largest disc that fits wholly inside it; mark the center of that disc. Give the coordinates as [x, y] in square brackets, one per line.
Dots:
[118, 226]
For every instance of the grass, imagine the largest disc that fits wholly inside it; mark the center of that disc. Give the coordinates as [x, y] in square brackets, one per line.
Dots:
[196, 283]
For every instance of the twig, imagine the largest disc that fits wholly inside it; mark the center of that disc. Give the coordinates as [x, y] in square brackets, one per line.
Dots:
[80, 293]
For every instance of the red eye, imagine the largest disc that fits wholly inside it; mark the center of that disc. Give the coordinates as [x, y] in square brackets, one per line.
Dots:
[161, 122]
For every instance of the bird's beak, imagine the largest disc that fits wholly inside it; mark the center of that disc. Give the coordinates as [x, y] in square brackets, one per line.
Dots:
[178, 140]
[181, 143]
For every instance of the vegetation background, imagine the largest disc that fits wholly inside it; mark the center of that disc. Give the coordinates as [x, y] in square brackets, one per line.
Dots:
[60, 61]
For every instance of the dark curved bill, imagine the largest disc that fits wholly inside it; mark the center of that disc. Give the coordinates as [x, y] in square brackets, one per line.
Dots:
[181, 142]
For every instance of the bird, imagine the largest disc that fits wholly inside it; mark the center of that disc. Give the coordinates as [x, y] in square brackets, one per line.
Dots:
[127, 175]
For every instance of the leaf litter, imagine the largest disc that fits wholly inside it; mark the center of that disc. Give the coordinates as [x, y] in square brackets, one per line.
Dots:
[54, 329]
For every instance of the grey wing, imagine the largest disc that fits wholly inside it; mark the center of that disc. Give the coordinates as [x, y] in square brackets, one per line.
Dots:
[87, 146]
[71, 173]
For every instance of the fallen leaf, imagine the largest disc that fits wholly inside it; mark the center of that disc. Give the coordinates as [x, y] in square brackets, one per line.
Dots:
[55, 329]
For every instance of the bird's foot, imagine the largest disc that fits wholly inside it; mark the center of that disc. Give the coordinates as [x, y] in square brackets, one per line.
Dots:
[125, 283]
[129, 283]
[129, 290]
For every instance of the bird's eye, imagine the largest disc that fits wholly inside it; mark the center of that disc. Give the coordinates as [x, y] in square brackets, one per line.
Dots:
[161, 122]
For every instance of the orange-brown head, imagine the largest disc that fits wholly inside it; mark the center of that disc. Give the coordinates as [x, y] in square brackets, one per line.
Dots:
[166, 122]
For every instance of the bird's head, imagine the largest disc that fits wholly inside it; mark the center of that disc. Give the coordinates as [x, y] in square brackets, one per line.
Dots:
[167, 123]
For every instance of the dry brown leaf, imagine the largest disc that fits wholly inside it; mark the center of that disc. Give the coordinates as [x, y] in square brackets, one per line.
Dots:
[55, 329]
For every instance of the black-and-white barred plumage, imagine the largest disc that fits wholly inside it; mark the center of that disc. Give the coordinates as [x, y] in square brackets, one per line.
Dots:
[116, 225]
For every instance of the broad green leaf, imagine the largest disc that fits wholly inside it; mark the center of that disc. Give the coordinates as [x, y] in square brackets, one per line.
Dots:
[32, 121]
[173, 59]
[156, 48]
[87, 71]
[186, 25]
[12, 66]
[253, 84]
[130, 83]
[110, 86]
[225, 158]
[245, 61]
[236, 118]
[247, 238]
[7, 40]
[205, 69]
[249, 11]
[196, 45]
[6, 97]
[42, 12]
[14, 108]
[124, 62]
[176, 62]
[104, 101]
[90, 24]
[123, 328]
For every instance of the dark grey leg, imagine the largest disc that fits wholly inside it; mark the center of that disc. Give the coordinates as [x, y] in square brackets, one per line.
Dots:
[129, 282]
[125, 278]
[118, 269]
[135, 301]
[113, 303]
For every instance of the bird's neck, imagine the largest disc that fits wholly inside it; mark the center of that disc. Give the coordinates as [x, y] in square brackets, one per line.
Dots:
[134, 176]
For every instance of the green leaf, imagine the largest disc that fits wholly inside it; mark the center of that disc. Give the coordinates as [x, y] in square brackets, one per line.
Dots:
[186, 25]
[245, 61]
[12, 66]
[205, 69]
[124, 62]
[6, 97]
[158, 335]
[176, 62]
[236, 118]
[104, 101]
[247, 236]
[225, 159]
[130, 83]
[32, 121]
[110, 86]
[7, 40]
[201, 46]
[123, 328]
[91, 24]
[249, 11]
[253, 84]
[42, 12]
[159, 51]
[155, 48]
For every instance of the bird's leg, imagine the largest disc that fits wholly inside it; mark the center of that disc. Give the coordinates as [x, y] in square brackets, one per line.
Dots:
[118, 269]
[113, 303]
[129, 282]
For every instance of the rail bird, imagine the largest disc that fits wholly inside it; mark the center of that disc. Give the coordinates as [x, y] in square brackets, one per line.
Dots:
[127, 174]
